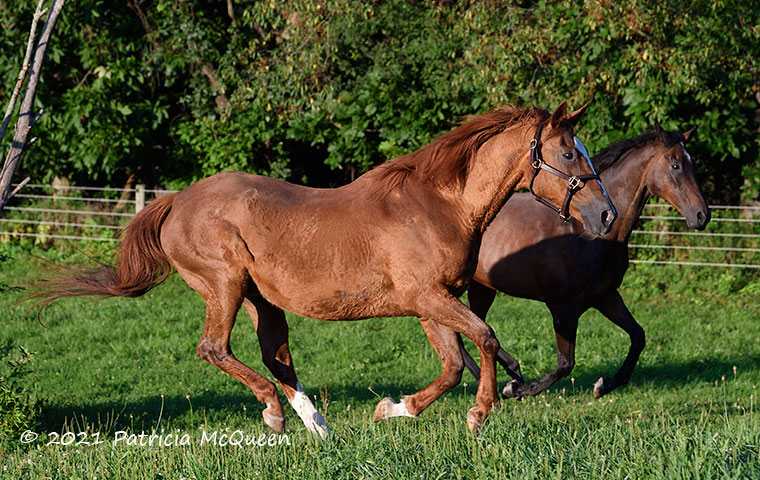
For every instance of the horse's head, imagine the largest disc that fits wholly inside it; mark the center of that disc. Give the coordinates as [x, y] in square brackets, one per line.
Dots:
[671, 176]
[563, 177]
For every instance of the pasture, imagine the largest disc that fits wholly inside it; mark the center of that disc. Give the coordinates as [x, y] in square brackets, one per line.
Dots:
[129, 365]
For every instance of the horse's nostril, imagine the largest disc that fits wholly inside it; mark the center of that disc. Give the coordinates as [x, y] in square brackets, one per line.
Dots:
[701, 218]
[607, 218]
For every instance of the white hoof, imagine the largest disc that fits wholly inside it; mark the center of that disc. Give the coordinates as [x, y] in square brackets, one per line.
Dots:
[275, 422]
[474, 420]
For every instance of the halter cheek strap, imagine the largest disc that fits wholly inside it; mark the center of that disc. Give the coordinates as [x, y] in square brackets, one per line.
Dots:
[582, 148]
[574, 182]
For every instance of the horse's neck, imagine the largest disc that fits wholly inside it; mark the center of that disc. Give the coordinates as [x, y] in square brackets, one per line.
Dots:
[625, 180]
[496, 172]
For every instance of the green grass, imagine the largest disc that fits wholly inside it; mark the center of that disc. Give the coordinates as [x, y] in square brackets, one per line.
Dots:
[130, 364]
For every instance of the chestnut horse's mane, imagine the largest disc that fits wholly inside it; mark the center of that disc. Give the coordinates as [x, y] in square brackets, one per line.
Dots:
[611, 154]
[447, 159]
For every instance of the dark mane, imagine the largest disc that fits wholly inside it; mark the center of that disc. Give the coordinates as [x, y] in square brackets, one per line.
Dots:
[611, 154]
[447, 159]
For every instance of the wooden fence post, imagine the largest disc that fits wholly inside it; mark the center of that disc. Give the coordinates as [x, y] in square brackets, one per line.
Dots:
[139, 197]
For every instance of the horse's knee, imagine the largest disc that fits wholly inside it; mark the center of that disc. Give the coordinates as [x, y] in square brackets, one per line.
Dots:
[491, 343]
[210, 352]
[275, 358]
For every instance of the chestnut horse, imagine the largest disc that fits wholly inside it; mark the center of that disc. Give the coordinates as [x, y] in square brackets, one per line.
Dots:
[401, 240]
[527, 253]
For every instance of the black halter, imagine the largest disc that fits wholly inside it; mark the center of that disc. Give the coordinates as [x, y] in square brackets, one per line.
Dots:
[574, 182]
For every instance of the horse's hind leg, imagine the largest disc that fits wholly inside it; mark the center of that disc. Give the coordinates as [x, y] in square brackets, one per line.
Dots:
[444, 341]
[223, 298]
[614, 308]
[272, 330]
[565, 328]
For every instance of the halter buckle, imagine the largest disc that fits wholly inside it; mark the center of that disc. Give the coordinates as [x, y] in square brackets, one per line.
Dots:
[574, 182]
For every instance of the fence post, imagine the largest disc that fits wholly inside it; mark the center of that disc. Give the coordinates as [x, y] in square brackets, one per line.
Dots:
[139, 197]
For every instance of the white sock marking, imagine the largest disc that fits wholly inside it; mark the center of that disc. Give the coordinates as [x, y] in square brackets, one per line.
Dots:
[313, 420]
[398, 409]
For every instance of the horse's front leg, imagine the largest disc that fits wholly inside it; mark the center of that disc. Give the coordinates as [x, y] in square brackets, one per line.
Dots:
[444, 341]
[614, 308]
[565, 328]
[448, 311]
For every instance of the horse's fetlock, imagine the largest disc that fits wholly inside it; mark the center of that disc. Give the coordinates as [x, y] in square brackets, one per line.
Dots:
[564, 368]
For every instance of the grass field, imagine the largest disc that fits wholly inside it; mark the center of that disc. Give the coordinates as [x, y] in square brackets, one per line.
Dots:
[102, 367]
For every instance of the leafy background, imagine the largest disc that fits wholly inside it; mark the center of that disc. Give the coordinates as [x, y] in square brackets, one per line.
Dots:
[165, 92]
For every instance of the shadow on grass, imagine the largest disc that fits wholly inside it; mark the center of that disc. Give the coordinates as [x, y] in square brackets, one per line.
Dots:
[704, 371]
[143, 414]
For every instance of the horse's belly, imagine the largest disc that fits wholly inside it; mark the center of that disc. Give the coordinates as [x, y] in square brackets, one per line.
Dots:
[323, 294]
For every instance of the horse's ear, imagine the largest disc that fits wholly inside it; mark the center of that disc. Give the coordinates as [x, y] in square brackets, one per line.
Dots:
[575, 117]
[558, 115]
[688, 135]
[661, 134]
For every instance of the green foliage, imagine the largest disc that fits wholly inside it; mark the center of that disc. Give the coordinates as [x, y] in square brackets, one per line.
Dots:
[318, 92]
[19, 411]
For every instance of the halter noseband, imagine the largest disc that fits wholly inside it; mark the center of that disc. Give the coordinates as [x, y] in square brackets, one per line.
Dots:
[574, 182]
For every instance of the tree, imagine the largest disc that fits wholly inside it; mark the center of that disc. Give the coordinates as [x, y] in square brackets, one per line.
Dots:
[26, 120]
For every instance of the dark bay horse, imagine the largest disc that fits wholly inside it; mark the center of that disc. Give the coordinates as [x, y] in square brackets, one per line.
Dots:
[401, 240]
[529, 254]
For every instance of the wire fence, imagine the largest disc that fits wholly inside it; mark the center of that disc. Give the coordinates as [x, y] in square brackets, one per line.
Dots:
[45, 213]
[95, 214]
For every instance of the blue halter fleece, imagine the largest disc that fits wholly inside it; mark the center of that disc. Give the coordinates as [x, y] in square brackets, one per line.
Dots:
[582, 148]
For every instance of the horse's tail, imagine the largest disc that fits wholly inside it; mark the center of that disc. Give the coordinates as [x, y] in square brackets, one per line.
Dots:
[141, 264]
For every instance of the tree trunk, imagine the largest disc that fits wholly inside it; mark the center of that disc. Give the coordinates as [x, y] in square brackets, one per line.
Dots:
[26, 119]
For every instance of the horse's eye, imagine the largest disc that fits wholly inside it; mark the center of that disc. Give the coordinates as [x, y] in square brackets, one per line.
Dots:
[568, 155]
[675, 166]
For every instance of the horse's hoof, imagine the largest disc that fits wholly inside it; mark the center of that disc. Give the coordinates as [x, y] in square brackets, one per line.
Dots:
[273, 421]
[382, 410]
[474, 420]
[602, 387]
[388, 408]
[510, 390]
[319, 427]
